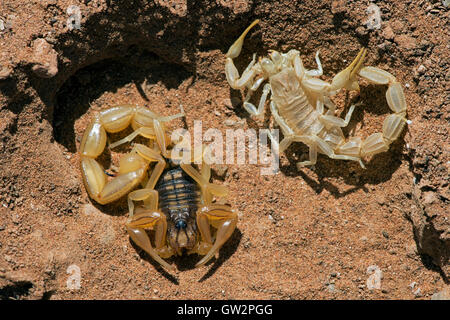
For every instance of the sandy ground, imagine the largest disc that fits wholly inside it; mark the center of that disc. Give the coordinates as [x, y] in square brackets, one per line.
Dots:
[326, 232]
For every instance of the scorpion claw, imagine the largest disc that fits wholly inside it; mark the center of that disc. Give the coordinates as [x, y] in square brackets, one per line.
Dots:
[236, 48]
[347, 77]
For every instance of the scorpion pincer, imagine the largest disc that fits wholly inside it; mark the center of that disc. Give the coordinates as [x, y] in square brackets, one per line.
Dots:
[301, 106]
[177, 200]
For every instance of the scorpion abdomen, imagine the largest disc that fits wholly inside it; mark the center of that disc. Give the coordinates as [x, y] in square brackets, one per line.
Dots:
[178, 196]
[179, 199]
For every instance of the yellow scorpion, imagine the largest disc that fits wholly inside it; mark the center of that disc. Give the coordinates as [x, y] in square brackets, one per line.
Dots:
[177, 199]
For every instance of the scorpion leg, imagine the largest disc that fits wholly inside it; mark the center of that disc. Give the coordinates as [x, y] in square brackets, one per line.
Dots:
[208, 189]
[252, 109]
[256, 84]
[149, 125]
[151, 156]
[149, 196]
[312, 157]
[336, 121]
[312, 149]
[221, 217]
[298, 65]
[323, 147]
[319, 70]
[330, 105]
[143, 131]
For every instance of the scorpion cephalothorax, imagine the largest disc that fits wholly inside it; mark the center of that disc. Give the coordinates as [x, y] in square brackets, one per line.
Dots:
[300, 102]
[177, 203]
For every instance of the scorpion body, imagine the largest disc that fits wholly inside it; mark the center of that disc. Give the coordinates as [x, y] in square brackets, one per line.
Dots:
[294, 107]
[299, 118]
[177, 202]
[301, 103]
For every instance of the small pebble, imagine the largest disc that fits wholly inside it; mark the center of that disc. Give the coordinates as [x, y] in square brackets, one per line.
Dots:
[233, 123]
[374, 280]
[388, 33]
[9, 21]
[74, 20]
[421, 69]
[429, 197]
[338, 6]
[361, 31]
[417, 293]
[221, 170]
[374, 17]
[331, 288]
[45, 59]
[4, 72]
[406, 42]
[231, 103]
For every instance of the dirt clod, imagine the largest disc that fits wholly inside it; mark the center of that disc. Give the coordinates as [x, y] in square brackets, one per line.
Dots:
[45, 59]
